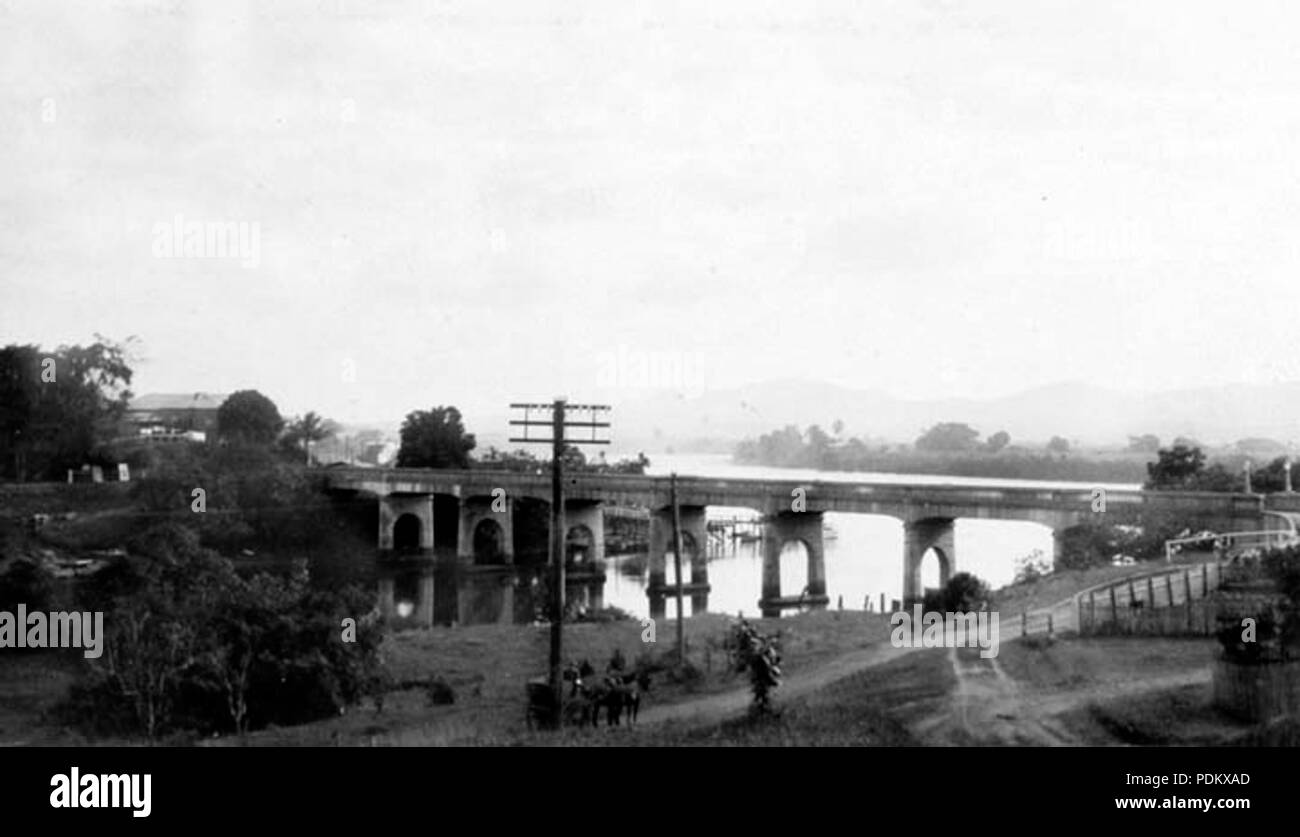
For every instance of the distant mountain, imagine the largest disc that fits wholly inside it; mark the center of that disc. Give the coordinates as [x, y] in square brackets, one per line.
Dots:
[1080, 412]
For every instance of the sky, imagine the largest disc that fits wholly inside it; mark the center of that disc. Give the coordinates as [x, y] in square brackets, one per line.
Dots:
[479, 203]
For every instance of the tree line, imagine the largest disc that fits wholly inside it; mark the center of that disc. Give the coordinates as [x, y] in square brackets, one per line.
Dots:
[945, 448]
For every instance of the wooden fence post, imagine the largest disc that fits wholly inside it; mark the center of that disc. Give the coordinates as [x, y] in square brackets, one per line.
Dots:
[1092, 611]
[1151, 591]
[1187, 590]
[1049, 624]
[1024, 623]
[1114, 609]
[1169, 588]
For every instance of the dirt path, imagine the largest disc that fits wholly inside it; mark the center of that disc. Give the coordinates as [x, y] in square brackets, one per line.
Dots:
[720, 707]
[989, 708]
[985, 708]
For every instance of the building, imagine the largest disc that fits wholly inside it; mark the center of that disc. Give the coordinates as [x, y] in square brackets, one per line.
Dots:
[165, 416]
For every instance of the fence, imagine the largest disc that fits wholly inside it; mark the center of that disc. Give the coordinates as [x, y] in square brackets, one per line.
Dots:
[1164, 602]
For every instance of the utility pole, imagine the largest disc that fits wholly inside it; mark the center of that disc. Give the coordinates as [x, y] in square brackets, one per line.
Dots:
[558, 423]
[677, 562]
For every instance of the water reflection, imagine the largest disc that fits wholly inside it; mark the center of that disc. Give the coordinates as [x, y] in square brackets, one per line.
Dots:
[442, 591]
[863, 563]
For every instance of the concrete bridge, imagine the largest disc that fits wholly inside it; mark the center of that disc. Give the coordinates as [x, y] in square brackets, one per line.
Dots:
[792, 511]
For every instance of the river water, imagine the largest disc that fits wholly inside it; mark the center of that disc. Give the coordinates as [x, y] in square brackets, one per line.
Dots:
[864, 557]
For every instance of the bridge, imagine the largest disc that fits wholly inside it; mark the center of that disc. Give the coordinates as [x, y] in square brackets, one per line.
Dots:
[792, 511]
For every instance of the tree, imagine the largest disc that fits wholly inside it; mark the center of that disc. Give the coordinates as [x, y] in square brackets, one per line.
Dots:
[1146, 443]
[1058, 445]
[1175, 468]
[1270, 478]
[435, 439]
[249, 417]
[948, 436]
[192, 645]
[59, 409]
[302, 432]
[964, 593]
[998, 441]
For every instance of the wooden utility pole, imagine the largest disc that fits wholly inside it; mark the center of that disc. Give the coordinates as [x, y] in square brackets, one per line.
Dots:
[677, 562]
[558, 423]
[557, 554]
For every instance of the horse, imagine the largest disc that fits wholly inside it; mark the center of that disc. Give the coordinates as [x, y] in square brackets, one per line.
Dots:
[619, 693]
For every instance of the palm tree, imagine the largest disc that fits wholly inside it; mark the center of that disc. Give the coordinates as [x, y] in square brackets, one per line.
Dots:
[310, 428]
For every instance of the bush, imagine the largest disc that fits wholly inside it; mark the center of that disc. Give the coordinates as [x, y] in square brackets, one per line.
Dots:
[26, 582]
[1032, 567]
[440, 692]
[963, 593]
[192, 645]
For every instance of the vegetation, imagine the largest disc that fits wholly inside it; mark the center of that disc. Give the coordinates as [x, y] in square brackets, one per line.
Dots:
[252, 496]
[1277, 619]
[963, 593]
[949, 436]
[58, 409]
[760, 655]
[949, 448]
[573, 460]
[194, 646]
[248, 417]
[435, 439]
[302, 433]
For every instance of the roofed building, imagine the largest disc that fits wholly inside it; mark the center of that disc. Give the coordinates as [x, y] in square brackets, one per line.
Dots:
[179, 414]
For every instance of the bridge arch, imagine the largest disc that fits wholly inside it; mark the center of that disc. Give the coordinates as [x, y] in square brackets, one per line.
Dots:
[795, 559]
[935, 573]
[489, 542]
[406, 533]
[579, 544]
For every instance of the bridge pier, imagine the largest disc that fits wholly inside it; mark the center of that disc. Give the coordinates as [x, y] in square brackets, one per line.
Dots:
[591, 516]
[393, 507]
[1058, 546]
[695, 536]
[935, 533]
[476, 511]
[779, 529]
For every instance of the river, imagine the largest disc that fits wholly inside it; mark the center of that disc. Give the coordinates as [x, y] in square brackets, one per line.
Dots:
[864, 558]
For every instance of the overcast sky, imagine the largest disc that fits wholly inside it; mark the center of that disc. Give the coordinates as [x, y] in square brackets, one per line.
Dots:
[474, 203]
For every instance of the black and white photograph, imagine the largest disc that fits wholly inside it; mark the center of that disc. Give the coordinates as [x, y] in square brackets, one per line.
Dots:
[575, 374]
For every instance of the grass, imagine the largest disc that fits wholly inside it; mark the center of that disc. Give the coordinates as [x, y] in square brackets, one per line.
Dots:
[869, 709]
[488, 665]
[1060, 585]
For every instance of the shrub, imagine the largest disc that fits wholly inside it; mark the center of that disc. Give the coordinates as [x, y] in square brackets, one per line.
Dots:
[192, 645]
[29, 583]
[440, 692]
[963, 593]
